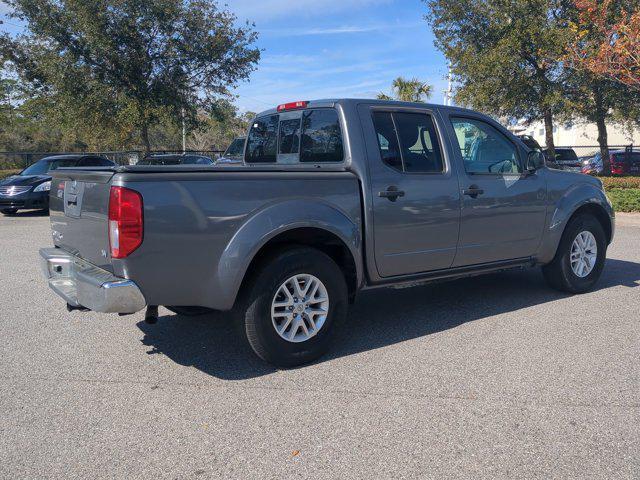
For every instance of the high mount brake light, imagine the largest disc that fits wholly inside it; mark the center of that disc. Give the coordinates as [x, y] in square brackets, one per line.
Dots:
[126, 226]
[292, 106]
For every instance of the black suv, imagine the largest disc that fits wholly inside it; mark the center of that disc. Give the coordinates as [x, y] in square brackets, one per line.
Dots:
[30, 188]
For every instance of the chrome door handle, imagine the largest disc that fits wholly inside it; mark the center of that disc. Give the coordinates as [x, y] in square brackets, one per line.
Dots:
[473, 191]
[392, 193]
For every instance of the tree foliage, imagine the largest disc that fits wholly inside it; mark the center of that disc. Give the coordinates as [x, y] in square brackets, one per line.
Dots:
[413, 90]
[505, 55]
[591, 95]
[218, 129]
[126, 66]
[39, 124]
[606, 40]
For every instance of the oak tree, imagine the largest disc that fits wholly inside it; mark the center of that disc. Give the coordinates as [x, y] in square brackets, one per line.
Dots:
[505, 56]
[129, 62]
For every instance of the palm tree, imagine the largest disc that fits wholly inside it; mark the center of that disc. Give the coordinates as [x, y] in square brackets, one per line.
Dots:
[408, 90]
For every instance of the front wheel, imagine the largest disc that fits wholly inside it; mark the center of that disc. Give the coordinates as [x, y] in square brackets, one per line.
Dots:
[292, 305]
[580, 258]
[9, 211]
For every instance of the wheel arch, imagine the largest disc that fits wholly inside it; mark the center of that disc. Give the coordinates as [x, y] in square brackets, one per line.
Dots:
[303, 223]
[313, 237]
[600, 214]
[584, 198]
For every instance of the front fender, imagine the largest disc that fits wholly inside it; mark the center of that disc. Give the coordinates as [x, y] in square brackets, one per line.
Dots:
[565, 206]
[274, 219]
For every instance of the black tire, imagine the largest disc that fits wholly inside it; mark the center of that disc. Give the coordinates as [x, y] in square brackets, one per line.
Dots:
[254, 313]
[189, 311]
[559, 273]
[9, 211]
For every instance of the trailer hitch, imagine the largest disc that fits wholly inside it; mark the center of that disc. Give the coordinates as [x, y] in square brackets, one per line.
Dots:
[151, 315]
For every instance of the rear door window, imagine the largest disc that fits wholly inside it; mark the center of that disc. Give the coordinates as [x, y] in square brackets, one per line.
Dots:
[408, 142]
[262, 143]
[419, 143]
[387, 139]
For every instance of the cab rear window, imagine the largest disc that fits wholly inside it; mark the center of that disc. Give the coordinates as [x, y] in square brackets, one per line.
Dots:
[262, 143]
[321, 137]
[302, 136]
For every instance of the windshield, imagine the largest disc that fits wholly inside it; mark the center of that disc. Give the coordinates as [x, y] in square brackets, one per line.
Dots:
[236, 149]
[44, 166]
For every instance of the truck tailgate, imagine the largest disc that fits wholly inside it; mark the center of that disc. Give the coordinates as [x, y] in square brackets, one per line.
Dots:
[79, 203]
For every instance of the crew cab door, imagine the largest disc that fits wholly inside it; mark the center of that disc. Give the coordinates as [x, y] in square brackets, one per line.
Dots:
[414, 192]
[503, 206]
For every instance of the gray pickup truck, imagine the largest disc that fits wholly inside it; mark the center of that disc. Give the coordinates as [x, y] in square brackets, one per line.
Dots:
[333, 197]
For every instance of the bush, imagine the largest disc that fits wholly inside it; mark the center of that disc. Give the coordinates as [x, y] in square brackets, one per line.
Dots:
[625, 199]
[620, 182]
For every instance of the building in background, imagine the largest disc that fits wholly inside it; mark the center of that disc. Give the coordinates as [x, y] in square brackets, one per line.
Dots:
[578, 134]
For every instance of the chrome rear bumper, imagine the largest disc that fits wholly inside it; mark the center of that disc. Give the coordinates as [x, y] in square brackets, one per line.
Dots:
[82, 284]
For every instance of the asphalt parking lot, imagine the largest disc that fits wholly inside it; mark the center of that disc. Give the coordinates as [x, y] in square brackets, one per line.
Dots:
[495, 376]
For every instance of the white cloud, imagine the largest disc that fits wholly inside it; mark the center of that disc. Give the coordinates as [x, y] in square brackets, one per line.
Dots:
[284, 32]
[265, 10]
[5, 9]
[287, 59]
[279, 92]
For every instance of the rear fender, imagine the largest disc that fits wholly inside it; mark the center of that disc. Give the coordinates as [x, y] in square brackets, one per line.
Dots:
[271, 221]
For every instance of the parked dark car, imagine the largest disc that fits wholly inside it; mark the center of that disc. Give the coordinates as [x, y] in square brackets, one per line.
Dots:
[176, 159]
[530, 142]
[622, 163]
[565, 159]
[30, 188]
[234, 153]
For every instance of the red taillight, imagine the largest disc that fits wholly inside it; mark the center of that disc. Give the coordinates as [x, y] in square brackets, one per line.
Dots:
[292, 106]
[126, 225]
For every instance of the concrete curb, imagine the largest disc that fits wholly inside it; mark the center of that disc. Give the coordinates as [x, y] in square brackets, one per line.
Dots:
[628, 219]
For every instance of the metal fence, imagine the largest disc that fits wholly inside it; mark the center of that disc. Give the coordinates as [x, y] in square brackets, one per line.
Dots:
[20, 160]
[623, 160]
[589, 151]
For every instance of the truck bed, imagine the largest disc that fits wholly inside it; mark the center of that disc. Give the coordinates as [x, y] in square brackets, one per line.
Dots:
[198, 221]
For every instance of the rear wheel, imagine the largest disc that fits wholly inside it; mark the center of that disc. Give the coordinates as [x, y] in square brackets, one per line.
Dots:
[9, 211]
[580, 258]
[291, 306]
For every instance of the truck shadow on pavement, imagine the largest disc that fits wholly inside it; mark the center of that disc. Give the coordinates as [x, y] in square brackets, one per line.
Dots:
[382, 317]
[29, 213]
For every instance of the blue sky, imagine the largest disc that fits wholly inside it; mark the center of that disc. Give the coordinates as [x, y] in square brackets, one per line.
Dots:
[333, 48]
[337, 48]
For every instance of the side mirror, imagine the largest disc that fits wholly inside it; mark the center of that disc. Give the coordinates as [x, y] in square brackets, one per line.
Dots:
[535, 160]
